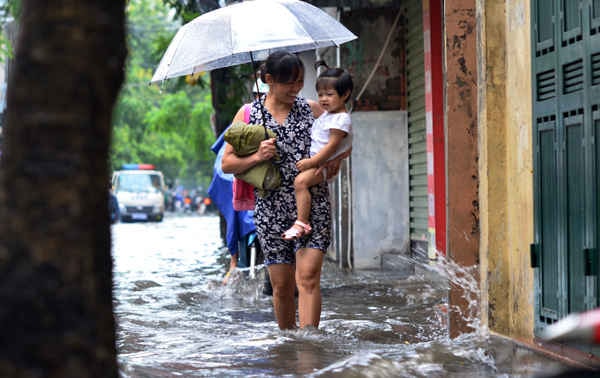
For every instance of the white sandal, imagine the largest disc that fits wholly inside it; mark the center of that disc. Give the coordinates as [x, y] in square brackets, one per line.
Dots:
[298, 230]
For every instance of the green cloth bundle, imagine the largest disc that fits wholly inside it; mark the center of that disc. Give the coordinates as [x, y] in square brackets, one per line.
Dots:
[245, 140]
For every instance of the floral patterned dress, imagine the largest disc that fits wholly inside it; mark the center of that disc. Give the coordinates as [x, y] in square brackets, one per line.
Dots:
[276, 211]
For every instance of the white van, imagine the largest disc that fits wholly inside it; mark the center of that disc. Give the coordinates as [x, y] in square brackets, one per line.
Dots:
[140, 190]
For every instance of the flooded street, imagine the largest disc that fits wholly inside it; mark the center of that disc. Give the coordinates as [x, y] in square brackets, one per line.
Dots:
[176, 319]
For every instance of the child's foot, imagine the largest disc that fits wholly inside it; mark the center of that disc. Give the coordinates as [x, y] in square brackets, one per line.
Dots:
[298, 230]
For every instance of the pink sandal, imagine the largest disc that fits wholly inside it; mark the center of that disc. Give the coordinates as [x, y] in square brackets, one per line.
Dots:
[298, 230]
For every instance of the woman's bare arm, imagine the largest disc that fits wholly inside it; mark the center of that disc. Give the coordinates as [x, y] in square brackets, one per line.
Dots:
[344, 155]
[316, 108]
[231, 163]
[333, 165]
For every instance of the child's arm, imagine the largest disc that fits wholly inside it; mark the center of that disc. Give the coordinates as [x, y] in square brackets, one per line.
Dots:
[335, 138]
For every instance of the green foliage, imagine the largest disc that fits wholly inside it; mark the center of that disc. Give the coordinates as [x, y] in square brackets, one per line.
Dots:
[168, 126]
[6, 50]
[187, 10]
[10, 8]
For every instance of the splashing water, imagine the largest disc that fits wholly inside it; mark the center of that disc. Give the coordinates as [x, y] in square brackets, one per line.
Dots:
[175, 318]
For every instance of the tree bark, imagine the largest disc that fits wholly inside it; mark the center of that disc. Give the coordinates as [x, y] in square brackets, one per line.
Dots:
[55, 247]
[225, 103]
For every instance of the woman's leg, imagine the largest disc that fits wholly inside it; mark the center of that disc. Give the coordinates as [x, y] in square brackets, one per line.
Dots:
[302, 184]
[284, 306]
[308, 278]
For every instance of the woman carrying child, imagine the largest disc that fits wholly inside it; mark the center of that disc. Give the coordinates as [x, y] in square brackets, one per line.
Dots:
[298, 262]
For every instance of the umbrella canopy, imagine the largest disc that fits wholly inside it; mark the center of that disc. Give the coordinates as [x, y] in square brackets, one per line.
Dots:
[247, 31]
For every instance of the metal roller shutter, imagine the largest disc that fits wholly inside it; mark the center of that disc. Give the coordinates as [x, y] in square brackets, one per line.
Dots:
[415, 73]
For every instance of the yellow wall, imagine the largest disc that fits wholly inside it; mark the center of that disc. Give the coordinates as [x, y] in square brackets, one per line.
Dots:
[505, 166]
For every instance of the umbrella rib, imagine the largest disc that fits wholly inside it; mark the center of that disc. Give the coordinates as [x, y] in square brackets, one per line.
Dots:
[173, 56]
[304, 30]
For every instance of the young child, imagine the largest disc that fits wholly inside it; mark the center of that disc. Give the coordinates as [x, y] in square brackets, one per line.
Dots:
[331, 136]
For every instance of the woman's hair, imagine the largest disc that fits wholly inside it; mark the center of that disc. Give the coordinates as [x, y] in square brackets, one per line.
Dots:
[336, 78]
[282, 66]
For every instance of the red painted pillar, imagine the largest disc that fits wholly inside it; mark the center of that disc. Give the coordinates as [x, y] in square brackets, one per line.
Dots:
[462, 155]
[434, 111]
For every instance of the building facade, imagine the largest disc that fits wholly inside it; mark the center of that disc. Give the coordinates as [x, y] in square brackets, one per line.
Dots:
[491, 155]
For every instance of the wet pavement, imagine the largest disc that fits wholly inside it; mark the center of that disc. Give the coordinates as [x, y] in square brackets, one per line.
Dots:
[176, 319]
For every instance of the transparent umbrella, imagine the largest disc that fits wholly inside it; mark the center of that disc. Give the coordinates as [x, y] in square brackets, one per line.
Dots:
[248, 31]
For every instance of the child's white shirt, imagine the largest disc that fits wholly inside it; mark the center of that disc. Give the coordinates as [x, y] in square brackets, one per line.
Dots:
[319, 134]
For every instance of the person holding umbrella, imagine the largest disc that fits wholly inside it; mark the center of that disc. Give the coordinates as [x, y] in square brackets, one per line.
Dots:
[298, 262]
[230, 36]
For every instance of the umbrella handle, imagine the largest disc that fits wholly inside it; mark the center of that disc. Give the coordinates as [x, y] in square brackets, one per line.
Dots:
[262, 108]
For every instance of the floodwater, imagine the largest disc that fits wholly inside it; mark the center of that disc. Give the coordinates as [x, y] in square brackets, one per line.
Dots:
[176, 319]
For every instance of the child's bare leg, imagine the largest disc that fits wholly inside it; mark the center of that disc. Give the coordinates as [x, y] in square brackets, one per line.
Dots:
[302, 184]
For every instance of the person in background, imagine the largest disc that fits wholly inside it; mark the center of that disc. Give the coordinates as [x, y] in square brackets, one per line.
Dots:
[331, 136]
[258, 89]
[113, 205]
[297, 262]
[235, 225]
[232, 267]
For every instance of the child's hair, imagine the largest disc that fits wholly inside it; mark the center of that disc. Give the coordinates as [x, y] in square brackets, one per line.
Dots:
[336, 78]
[283, 66]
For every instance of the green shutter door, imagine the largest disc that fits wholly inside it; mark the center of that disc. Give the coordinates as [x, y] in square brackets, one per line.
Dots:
[595, 210]
[594, 150]
[566, 77]
[575, 212]
[545, 161]
[417, 153]
[547, 211]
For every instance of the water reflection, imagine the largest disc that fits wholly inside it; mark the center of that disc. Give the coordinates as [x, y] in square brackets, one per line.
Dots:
[176, 319]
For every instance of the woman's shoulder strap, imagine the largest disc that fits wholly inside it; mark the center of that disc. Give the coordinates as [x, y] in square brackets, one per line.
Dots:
[247, 108]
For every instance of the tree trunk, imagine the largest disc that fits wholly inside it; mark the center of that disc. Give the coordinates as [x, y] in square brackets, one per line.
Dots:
[221, 82]
[55, 247]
